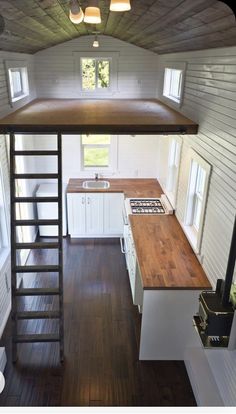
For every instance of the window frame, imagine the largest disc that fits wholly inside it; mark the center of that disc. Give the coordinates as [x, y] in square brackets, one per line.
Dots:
[171, 100]
[171, 189]
[96, 89]
[13, 66]
[112, 155]
[98, 92]
[193, 234]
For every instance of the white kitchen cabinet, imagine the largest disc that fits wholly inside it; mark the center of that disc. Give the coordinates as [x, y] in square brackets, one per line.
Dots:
[133, 270]
[113, 220]
[95, 214]
[76, 210]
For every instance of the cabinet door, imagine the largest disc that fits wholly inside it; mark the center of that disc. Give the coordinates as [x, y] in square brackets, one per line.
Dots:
[94, 214]
[76, 214]
[113, 220]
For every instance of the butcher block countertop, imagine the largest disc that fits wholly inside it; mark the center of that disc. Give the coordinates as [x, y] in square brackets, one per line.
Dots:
[132, 187]
[165, 257]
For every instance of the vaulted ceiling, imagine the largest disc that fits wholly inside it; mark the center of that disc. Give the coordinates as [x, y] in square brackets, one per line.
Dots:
[162, 26]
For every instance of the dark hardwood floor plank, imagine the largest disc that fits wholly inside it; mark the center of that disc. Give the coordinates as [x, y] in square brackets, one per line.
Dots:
[102, 329]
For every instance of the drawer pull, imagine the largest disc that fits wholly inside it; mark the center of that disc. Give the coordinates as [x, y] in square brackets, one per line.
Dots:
[122, 246]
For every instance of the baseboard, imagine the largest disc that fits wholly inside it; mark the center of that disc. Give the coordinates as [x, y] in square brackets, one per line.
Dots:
[202, 381]
[3, 359]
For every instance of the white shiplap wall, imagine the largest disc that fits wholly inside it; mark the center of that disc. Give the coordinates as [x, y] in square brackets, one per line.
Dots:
[56, 69]
[210, 99]
[5, 108]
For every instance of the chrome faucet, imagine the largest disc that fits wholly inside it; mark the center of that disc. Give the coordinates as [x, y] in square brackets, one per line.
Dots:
[96, 176]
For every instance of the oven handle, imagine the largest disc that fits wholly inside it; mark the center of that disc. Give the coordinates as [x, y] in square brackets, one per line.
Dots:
[122, 246]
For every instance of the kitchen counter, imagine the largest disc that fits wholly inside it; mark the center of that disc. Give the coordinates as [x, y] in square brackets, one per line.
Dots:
[131, 187]
[165, 257]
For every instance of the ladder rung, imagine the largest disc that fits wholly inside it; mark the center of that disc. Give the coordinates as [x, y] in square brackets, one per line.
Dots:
[35, 176]
[37, 338]
[35, 152]
[40, 222]
[38, 315]
[37, 292]
[37, 245]
[37, 269]
[36, 200]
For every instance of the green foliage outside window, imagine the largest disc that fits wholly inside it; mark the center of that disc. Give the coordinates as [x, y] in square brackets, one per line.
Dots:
[95, 73]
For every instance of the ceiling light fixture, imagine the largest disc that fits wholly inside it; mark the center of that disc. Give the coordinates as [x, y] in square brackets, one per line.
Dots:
[92, 13]
[120, 5]
[96, 42]
[76, 14]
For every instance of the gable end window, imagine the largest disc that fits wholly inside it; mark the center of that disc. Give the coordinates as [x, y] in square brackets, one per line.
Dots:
[96, 75]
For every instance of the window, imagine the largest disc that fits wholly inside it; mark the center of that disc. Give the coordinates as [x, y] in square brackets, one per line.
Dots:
[173, 169]
[98, 152]
[173, 84]
[17, 77]
[95, 73]
[196, 199]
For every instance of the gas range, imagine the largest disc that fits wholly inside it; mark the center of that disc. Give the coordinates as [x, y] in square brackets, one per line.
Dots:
[148, 206]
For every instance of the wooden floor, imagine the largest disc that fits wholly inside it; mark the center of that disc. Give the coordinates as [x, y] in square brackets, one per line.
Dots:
[102, 328]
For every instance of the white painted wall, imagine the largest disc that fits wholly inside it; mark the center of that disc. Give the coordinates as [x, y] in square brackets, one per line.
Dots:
[136, 157]
[210, 99]
[55, 68]
[5, 108]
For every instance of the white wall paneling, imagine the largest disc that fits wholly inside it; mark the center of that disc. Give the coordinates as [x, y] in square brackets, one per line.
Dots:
[210, 99]
[136, 156]
[56, 77]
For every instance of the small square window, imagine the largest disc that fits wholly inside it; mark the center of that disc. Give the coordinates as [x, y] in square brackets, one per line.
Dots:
[173, 82]
[18, 83]
[95, 151]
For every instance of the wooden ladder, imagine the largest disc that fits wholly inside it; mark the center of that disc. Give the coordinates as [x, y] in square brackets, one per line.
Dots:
[15, 245]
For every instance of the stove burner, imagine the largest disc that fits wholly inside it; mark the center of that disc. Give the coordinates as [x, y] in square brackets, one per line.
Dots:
[147, 206]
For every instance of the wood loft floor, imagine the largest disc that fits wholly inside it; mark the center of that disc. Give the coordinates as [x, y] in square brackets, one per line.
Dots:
[113, 116]
[102, 327]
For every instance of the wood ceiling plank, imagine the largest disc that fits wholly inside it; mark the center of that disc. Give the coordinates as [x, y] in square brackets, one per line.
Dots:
[183, 10]
[218, 25]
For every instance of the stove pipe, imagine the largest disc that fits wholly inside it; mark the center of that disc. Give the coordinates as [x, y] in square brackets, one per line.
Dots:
[230, 268]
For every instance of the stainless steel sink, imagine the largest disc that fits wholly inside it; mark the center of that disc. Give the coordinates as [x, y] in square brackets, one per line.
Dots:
[96, 184]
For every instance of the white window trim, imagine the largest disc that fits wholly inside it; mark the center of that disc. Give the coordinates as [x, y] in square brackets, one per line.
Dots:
[172, 195]
[195, 237]
[113, 156]
[106, 92]
[17, 64]
[179, 66]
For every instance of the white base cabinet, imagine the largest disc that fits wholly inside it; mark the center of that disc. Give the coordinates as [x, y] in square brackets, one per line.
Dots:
[95, 214]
